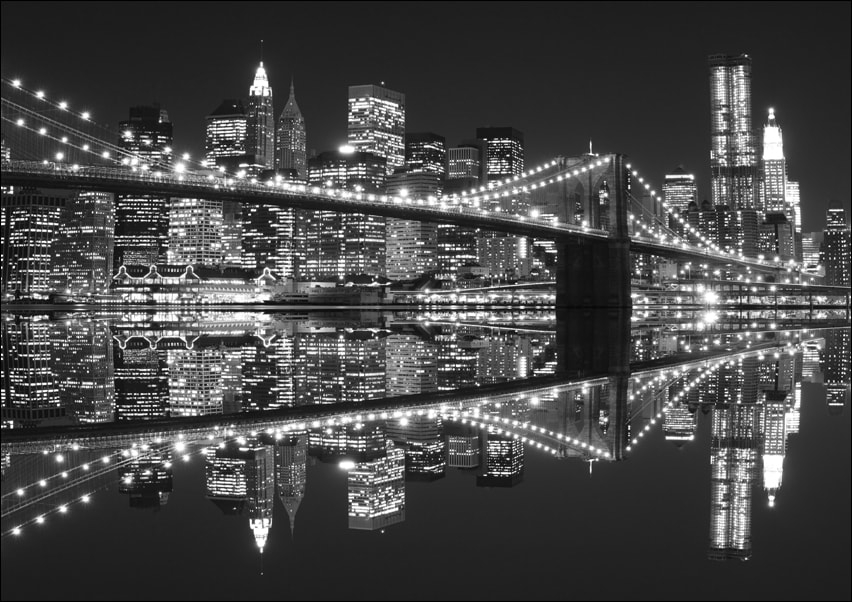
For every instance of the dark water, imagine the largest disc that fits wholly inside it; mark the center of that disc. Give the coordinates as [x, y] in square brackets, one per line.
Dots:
[424, 455]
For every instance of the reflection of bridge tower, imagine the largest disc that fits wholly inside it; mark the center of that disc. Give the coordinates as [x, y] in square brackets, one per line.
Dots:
[291, 473]
[733, 462]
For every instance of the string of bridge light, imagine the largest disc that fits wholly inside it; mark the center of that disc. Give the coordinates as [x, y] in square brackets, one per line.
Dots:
[64, 508]
[670, 212]
[495, 185]
[84, 116]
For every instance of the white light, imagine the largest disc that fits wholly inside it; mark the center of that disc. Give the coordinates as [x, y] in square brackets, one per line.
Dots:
[105, 154]
[347, 465]
[86, 115]
[20, 122]
[42, 131]
[180, 446]
[85, 499]
[16, 83]
[40, 94]
[40, 519]
[346, 149]
[186, 156]
[63, 509]
[59, 157]
[180, 168]
[63, 105]
[20, 492]
[43, 483]
[16, 531]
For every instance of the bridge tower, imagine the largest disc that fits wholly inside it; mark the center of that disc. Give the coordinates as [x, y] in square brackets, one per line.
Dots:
[594, 272]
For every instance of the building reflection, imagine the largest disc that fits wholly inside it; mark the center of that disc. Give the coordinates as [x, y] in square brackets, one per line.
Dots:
[143, 369]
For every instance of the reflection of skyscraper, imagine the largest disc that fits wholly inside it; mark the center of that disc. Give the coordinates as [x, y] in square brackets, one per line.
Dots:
[240, 479]
[503, 457]
[463, 450]
[31, 394]
[774, 441]
[141, 384]
[733, 462]
[377, 491]
[291, 473]
[81, 351]
[412, 365]
[422, 438]
[679, 423]
[836, 368]
[357, 441]
[733, 156]
[195, 381]
[147, 478]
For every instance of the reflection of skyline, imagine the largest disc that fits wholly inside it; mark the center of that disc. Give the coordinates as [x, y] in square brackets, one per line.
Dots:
[752, 400]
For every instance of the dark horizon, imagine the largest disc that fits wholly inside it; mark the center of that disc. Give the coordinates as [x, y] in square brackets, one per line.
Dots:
[551, 75]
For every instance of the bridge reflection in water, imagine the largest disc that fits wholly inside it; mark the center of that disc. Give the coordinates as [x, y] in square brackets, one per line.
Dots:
[101, 403]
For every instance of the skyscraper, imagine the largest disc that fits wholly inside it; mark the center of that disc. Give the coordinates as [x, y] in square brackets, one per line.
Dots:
[411, 245]
[504, 151]
[195, 232]
[260, 127]
[377, 123]
[679, 189]
[31, 226]
[836, 246]
[733, 153]
[148, 134]
[226, 134]
[425, 151]
[774, 168]
[291, 138]
[83, 251]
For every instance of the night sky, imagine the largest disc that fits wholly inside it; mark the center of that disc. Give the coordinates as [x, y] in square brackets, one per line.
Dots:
[632, 77]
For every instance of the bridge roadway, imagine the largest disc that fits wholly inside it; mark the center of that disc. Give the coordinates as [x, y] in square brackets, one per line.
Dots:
[131, 180]
[114, 435]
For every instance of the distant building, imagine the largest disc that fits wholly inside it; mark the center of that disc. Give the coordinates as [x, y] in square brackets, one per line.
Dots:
[425, 152]
[504, 151]
[411, 245]
[376, 123]
[836, 246]
[226, 134]
[195, 231]
[83, 252]
[148, 135]
[679, 189]
[291, 138]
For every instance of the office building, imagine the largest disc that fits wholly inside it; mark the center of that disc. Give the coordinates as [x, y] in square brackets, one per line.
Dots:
[83, 252]
[147, 135]
[836, 246]
[260, 121]
[679, 189]
[376, 123]
[226, 130]
[291, 138]
[504, 152]
[733, 152]
[195, 232]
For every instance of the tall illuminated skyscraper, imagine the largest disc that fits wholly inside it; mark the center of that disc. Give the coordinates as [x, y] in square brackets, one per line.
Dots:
[195, 232]
[260, 129]
[774, 168]
[504, 151]
[148, 134]
[31, 226]
[836, 246]
[679, 189]
[733, 153]
[376, 123]
[226, 133]
[83, 252]
[291, 138]
[141, 220]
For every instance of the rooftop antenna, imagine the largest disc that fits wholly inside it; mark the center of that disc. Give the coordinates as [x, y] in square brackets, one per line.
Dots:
[261, 52]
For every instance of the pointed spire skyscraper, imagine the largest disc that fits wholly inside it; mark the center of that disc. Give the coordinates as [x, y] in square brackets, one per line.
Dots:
[291, 138]
[260, 134]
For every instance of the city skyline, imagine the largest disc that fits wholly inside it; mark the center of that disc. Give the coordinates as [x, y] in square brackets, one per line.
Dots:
[560, 123]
